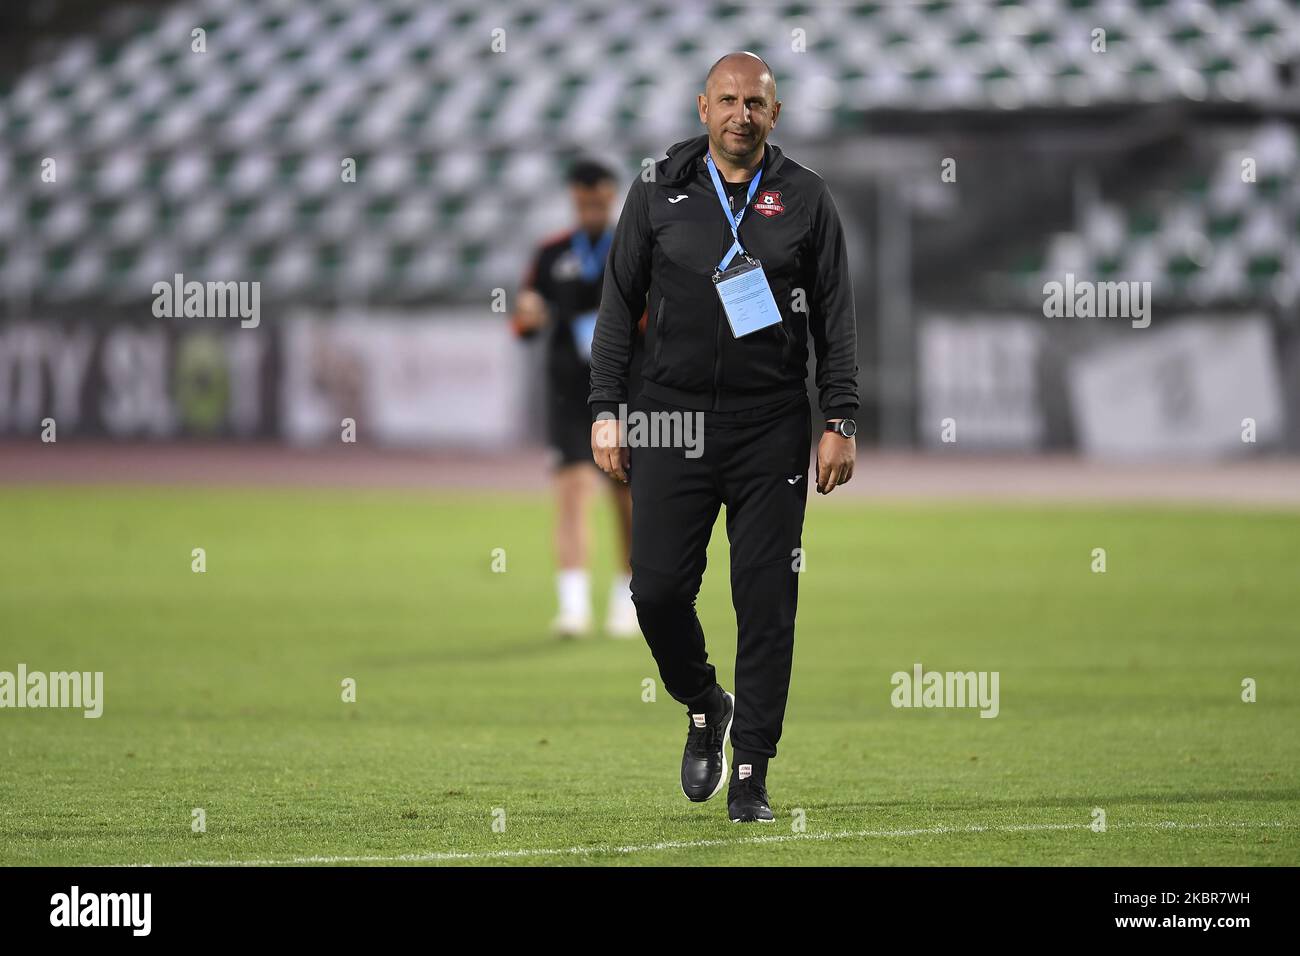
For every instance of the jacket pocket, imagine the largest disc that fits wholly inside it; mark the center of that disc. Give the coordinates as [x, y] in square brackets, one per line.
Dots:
[787, 345]
[659, 335]
[779, 336]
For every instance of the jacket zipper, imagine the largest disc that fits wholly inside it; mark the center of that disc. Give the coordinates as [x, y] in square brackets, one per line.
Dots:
[717, 354]
[717, 331]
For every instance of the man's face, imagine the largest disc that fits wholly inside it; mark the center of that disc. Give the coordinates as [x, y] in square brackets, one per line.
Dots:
[591, 205]
[740, 108]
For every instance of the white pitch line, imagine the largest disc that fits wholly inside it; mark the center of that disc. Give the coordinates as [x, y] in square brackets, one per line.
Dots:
[449, 855]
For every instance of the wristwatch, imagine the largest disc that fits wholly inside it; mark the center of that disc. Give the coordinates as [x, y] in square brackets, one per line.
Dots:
[845, 427]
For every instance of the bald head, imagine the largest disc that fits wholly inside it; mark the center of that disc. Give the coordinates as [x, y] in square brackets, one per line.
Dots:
[742, 60]
[739, 107]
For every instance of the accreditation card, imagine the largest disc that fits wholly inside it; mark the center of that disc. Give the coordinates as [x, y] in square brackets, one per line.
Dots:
[746, 297]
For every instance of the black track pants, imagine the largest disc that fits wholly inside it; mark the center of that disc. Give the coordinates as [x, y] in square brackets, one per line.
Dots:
[756, 463]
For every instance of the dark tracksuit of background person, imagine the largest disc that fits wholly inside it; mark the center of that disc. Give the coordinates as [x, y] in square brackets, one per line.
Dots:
[752, 390]
[569, 293]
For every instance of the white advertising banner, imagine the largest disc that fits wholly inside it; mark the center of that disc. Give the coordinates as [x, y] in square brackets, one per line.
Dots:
[1185, 390]
[978, 382]
[448, 378]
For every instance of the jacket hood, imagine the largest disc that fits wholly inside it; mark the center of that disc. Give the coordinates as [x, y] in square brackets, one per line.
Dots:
[684, 157]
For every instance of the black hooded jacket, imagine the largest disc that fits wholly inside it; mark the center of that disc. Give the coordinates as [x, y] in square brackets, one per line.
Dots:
[670, 238]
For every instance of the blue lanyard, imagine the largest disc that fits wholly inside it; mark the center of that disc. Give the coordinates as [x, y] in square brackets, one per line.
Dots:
[591, 260]
[732, 221]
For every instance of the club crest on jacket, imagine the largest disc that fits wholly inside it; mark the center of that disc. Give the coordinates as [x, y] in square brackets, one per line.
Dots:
[768, 203]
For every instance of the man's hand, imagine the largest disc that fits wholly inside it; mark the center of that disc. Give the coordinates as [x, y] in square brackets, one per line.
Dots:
[530, 311]
[608, 449]
[835, 455]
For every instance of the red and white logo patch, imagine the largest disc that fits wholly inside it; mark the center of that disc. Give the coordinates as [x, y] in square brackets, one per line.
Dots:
[699, 719]
[745, 770]
[768, 203]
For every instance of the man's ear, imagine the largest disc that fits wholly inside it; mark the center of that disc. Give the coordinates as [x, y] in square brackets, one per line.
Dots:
[702, 107]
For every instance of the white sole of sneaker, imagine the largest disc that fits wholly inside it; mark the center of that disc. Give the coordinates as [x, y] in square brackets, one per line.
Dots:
[726, 739]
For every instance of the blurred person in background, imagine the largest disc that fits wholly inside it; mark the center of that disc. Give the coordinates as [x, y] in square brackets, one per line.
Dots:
[561, 294]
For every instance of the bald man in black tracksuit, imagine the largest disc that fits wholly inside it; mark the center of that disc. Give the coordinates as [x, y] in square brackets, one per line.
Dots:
[670, 243]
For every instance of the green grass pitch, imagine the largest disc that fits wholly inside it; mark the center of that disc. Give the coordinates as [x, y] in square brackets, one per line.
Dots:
[1119, 690]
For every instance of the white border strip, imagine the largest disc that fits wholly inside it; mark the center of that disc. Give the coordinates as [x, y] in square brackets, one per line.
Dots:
[452, 856]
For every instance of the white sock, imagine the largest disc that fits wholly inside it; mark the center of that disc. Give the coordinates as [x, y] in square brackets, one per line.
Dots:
[620, 592]
[574, 589]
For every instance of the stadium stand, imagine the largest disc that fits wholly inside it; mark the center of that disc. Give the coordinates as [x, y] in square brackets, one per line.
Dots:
[222, 162]
[1230, 233]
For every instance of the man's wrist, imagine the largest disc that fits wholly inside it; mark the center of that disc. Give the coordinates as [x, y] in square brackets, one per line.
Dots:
[844, 427]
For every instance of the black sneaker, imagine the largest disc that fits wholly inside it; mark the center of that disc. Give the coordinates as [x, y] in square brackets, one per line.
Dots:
[747, 796]
[704, 761]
